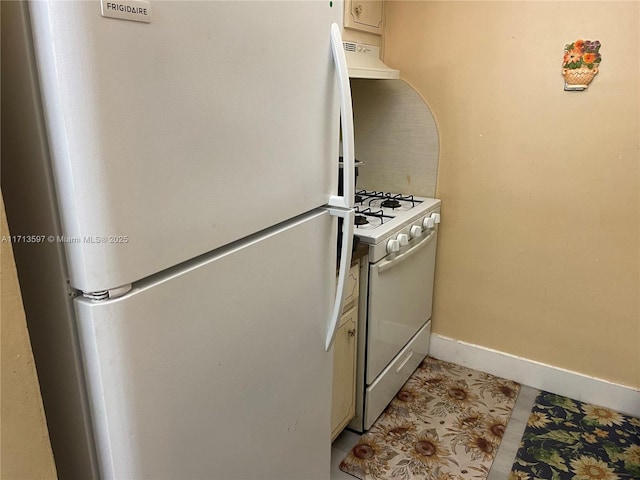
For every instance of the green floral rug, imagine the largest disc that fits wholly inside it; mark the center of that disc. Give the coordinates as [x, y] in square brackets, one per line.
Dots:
[445, 424]
[568, 439]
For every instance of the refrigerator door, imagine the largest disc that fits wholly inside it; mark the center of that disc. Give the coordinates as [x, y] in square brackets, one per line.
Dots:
[218, 369]
[172, 138]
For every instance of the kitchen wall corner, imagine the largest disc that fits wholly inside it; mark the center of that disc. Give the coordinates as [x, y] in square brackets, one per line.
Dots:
[26, 450]
[538, 254]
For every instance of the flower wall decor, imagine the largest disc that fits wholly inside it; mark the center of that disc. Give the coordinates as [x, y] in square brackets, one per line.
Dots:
[580, 64]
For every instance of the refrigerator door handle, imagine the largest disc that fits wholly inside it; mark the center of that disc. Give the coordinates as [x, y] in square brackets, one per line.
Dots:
[345, 263]
[346, 121]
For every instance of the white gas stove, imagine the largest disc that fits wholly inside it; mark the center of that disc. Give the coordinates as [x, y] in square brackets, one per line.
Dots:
[388, 221]
[396, 292]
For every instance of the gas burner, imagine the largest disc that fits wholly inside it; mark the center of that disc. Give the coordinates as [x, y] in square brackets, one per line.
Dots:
[390, 203]
[367, 211]
[379, 215]
[361, 220]
[393, 201]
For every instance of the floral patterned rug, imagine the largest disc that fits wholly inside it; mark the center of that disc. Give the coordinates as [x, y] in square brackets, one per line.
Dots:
[445, 424]
[568, 439]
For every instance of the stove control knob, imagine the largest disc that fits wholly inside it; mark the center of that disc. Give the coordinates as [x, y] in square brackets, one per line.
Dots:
[428, 223]
[393, 246]
[416, 231]
[403, 239]
[436, 217]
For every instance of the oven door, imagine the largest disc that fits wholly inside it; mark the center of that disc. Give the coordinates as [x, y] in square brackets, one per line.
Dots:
[400, 300]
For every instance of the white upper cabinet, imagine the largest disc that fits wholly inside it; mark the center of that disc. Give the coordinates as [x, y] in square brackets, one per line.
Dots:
[364, 15]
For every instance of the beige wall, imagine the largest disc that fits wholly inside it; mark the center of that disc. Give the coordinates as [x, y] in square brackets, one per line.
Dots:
[26, 451]
[539, 250]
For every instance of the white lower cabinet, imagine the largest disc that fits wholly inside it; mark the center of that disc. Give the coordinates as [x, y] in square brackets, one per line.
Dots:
[343, 405]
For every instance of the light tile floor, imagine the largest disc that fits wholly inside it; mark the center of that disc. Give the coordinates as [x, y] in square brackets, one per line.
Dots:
[506, 452]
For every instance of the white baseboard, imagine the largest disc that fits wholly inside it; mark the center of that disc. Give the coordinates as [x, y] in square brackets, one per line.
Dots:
[534, 374]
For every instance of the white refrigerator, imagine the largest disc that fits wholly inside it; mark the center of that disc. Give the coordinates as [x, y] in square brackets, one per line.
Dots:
[170, 173]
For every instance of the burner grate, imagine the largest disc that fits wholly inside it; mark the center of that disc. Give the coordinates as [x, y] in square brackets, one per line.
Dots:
[367, 212]
[389, 200]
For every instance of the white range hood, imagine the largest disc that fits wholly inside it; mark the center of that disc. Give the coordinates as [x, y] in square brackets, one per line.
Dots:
[364, 62]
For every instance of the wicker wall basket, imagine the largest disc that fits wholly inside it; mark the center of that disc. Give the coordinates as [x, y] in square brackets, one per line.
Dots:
[579, 77]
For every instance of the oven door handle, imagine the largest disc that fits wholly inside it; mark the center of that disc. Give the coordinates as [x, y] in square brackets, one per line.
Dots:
[346, 122]
[387, 264]
[348, 217]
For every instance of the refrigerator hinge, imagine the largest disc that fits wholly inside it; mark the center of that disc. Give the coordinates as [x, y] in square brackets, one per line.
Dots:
[72, 292]
[107, 294]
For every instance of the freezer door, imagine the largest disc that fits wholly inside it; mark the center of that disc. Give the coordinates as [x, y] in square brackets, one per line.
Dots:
[171, 138]
[219, 370]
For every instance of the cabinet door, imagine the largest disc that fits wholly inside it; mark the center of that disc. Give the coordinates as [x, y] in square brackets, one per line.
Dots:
[365, 15]
[352, 288]
[343, 405]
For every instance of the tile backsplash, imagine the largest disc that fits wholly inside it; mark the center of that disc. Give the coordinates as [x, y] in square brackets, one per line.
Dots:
[395, 136]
